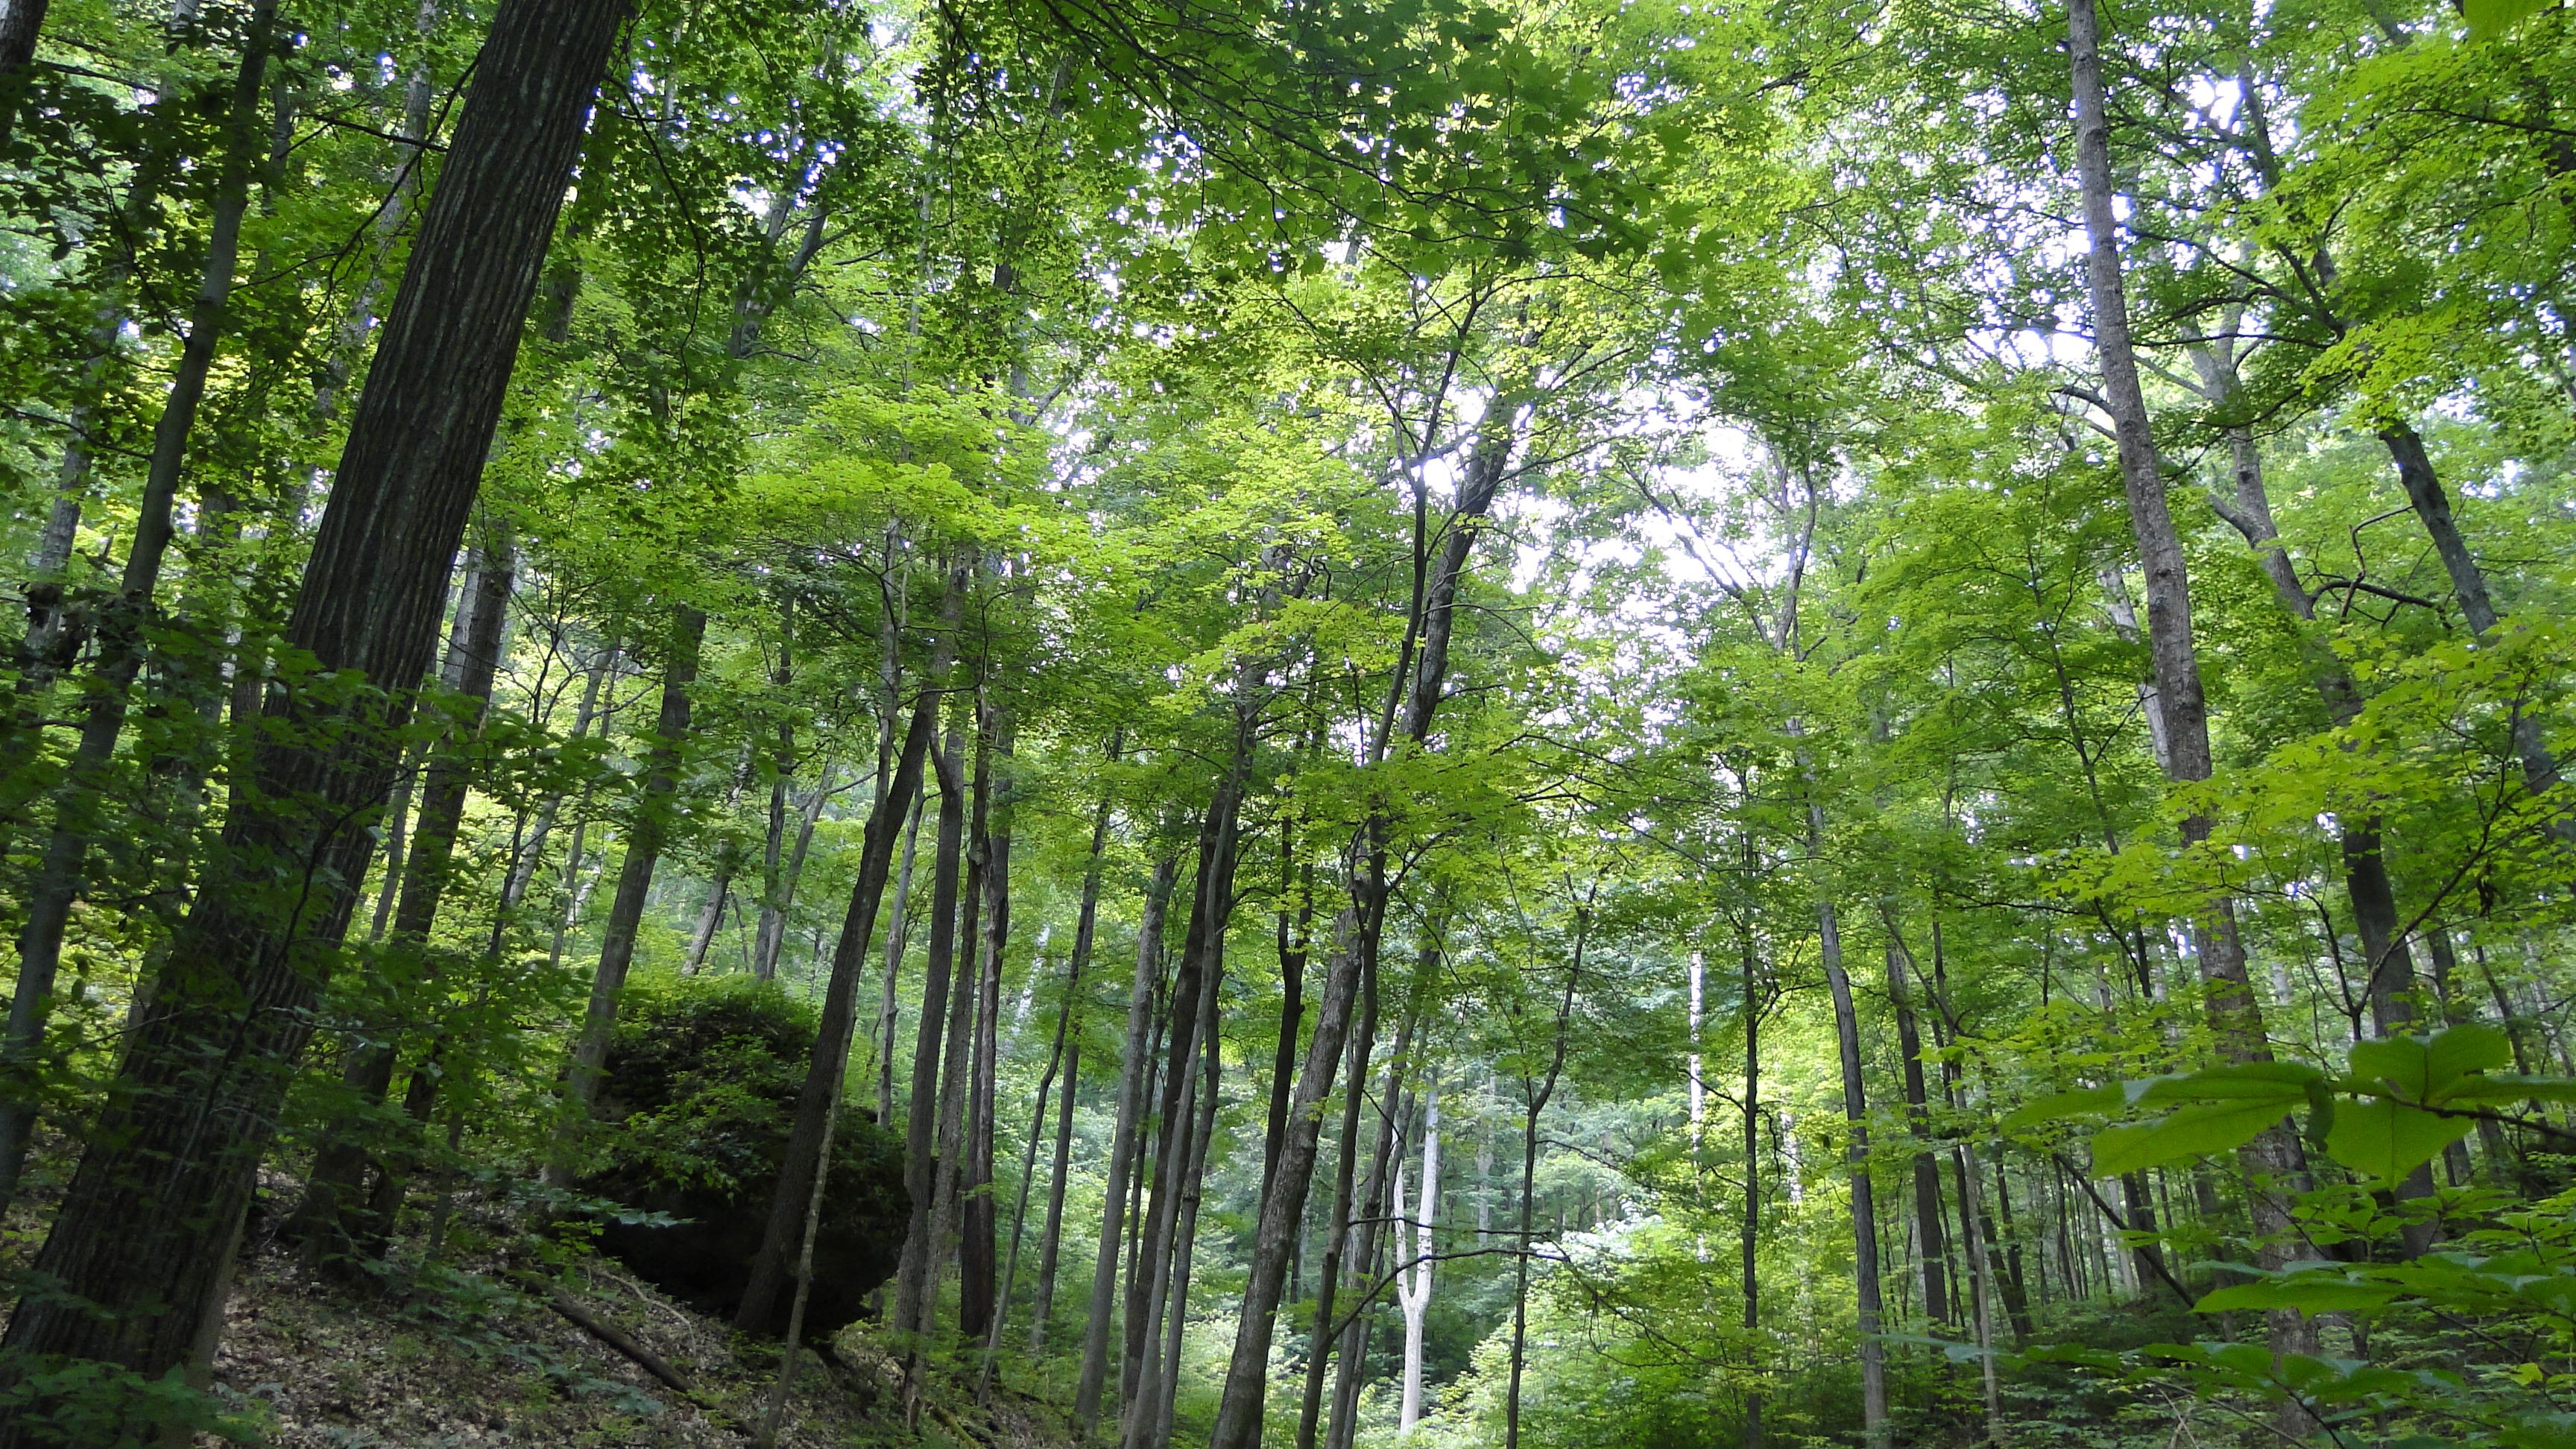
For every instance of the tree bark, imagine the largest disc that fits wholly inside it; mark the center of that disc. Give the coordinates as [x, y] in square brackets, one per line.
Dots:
[1337, 1229]
[976, 1285]
[1070, 1038]
[330, 1218]
[1749, 1241]
[1930, 1233]
[644, 840]
[79, 805]
[173, 1152]
[817, 1097]
[1535, 1103]
[2272, 1160]
[927, 1139]
[1133, 1083]
[1864, 1206]
[1415, 1297]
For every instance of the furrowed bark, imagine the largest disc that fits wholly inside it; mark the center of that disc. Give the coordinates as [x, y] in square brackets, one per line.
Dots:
[172, 1152]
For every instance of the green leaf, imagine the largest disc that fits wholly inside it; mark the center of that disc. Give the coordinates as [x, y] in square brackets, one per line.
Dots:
[2189, 1132]
[2285, 1083]
[2385, 1140]
[2491, 18]
[2057, 1107]
[2508, 1088]
[2307, 1292]
[2427, 1069]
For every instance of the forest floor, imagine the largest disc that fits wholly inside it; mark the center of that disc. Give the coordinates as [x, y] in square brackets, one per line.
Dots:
[485, 1350]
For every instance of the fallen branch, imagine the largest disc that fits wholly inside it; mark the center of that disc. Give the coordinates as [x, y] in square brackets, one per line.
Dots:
[622, 1341]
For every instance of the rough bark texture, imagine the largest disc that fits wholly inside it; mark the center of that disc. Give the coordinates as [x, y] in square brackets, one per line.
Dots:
[172, 1153]
[818, 1096]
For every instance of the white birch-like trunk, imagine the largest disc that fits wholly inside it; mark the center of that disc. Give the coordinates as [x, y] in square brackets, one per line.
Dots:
[1413, 1285]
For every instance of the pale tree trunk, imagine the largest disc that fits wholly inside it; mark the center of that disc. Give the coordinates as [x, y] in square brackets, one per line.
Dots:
[720, 888]
[2272, 1160]
[1415, 1295]
[1133, 1083]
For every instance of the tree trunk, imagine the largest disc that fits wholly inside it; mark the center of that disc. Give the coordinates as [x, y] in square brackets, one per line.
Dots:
[175, 1148]
[975, 1255]
[1412, 703]
[1415, 1297]
[896, 929]
[79, 805]
[820, 1091]
[2272, 1160]
[1749, 1241]
[1195, 1180]
[1864, 1208]
[927, 1139]
[1930, 1231]
[644, 840]
[1070, 1038]
[1133, 1083]
[1536, 1103]
[1337, 1228]
[329, 1218]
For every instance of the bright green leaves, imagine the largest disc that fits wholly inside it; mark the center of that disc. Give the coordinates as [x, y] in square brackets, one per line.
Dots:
[2221, 1109]
[2491, 18]
[2406, 1098]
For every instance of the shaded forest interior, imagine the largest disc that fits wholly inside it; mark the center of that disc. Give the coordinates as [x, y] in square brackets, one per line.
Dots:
[1346, 723]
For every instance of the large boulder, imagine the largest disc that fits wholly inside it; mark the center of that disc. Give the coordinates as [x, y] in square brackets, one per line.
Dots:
[700, 1090]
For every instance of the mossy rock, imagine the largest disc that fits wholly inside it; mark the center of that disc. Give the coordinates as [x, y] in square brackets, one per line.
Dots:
[700, 1092]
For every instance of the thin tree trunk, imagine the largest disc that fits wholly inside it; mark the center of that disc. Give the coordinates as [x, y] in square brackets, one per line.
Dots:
[1135, 1071]
[1864, 1209]
[654, 817]
[176, 1146]
[927, 1140]
[887, 1009]
[1749, 1241]
[1930, 1234]
[1536, 1103]
[1195, 1179]
[802, 1168]
[2272, 1160]
[976, 1287]
[79, 805]
[1069, 1038]
[1337, 1228]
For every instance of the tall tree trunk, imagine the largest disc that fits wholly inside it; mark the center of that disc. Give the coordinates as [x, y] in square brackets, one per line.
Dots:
[1070, 1039]
[896, 929]
[926, 1140]
[1337, 1227]
[79, 805]
[1202, 941]
[654, 816]
[1364, 1230]
[1864, 1206]
[329, 1219]
[1134, 1075]
[1535, 1098]
[2272, 1160]
[174, 1150]
[1194, 1178]
[1412, 702]
[975, 1257]
[1930, 1232]
[1749, 1240]
[817, 1095]
[1415, 1296]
